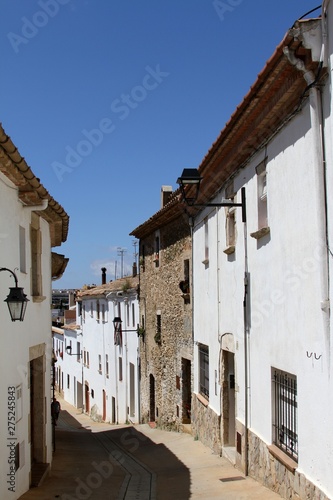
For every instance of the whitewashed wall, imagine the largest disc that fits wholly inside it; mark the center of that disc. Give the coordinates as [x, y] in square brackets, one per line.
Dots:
[289, 327]
[18, 337]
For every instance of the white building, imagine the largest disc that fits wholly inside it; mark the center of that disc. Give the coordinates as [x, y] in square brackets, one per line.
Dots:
[31, 223]
[263, 390]
[98, 368]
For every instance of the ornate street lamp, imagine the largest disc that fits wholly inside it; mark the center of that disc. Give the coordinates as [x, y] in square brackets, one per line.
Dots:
[17, 300]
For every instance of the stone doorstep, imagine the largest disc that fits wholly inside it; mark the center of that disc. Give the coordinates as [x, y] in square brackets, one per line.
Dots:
[39, 472]
[186, 429]
[229, 452]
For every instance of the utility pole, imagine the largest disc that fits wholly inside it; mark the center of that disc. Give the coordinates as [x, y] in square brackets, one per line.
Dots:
[121, 252]
[135, 255]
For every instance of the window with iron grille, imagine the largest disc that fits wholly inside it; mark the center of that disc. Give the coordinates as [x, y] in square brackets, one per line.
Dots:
[204, 370]
[284, 390]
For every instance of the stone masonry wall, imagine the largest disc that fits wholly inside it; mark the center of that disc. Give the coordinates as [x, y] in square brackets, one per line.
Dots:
[274, 475]
[160, 294]
[206, 425]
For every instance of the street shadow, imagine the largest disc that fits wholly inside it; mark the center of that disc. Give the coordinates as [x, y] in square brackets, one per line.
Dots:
[170, 477]
[67, 422]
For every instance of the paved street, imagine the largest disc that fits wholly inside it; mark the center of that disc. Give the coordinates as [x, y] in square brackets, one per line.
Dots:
[97, 461]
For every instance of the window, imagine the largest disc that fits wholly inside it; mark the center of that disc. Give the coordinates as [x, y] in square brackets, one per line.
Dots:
[157, 250]
[120, 368]
[22, 242]
[91, 309]
[97, 311]
[263, 227]
[284, 399]
[100, 363]
[103, 313]
[68, 381]
[107, 365]
[206, 256]
[78, 350]
[262, 199]
[204, 370]
[133, 315]
[158, 328]
[230, 229]
[36, 254]
[88, 359]
[84, 312]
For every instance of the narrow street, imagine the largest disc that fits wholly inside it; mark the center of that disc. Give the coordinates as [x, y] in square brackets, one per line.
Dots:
[98, 461]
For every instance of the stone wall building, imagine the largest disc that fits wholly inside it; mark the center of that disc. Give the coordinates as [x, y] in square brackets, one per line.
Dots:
[165, 315]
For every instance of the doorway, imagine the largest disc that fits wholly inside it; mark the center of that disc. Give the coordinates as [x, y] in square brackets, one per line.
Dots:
[186, 391]
[132, 389]
[37, 411]
[87, 398]
[152, 398]
[104, 405]
[228, 398]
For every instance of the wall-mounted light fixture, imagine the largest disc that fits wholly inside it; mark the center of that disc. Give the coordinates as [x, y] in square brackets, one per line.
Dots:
[69, 351]
[118, 331]
[191, 177]
[17, 300]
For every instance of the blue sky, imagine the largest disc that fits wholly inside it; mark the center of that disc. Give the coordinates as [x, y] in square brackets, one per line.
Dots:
[108, 100]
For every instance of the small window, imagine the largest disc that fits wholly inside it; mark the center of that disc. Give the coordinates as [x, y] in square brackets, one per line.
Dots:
[262, 200]
[97, 311]
[230, 229]
[36, 257]
[78, 351]
[285, 412]
[100, 363]
[120, 368]
[158, 335]
[88, 359]
[133, 315]
[204, 370]
[107, 365]
[103, 313]
[22, 240]
[206, 229]
[91, 309]
[68, 381]
[157, 250]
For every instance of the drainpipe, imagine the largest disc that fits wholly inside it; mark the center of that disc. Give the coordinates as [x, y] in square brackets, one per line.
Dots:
[317, 126]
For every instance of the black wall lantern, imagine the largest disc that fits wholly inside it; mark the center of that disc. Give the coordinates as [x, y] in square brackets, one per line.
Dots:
[191, 177]
[17, 300]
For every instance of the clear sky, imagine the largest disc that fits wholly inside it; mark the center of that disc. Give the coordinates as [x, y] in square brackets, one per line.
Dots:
[108, 100]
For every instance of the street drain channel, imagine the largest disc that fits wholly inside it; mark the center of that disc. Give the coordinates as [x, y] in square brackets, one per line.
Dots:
[235, 478]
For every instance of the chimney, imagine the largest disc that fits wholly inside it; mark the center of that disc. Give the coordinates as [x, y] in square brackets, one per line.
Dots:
[135, 269]
[166, 192]
[103, 275]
